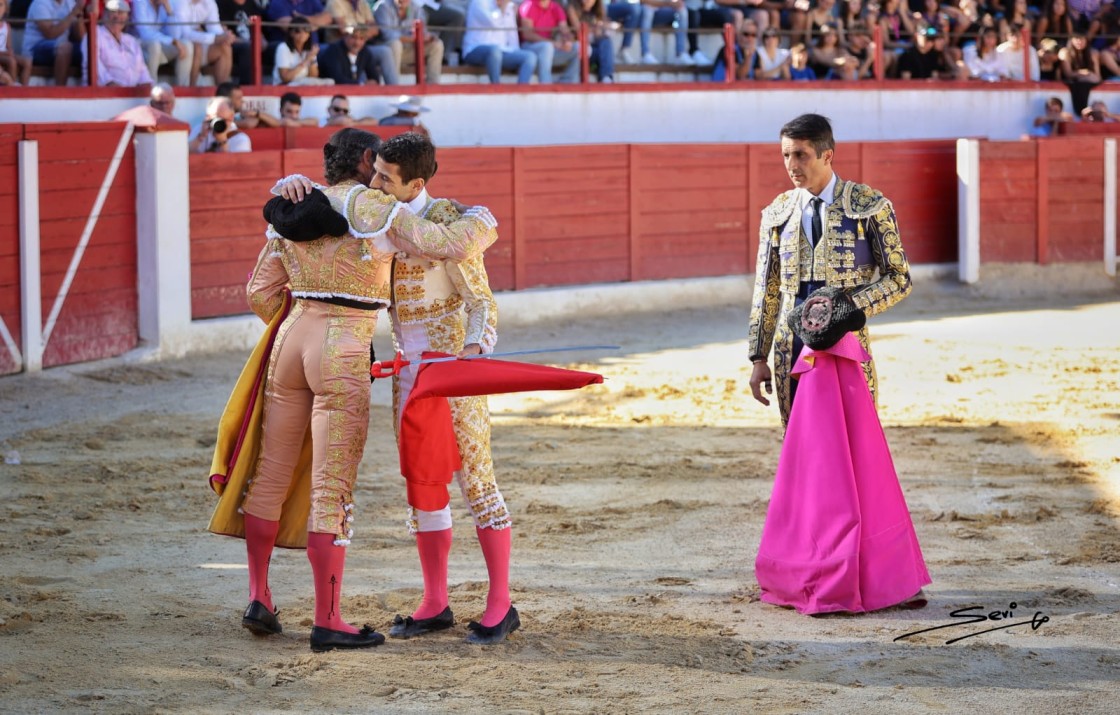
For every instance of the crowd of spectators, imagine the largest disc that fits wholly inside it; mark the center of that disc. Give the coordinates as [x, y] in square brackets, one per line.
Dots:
[312, 42]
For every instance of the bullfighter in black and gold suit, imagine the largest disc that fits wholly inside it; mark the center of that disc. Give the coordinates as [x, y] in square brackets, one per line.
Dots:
[857, 248]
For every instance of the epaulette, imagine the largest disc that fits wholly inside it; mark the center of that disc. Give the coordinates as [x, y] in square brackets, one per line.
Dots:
[779, 210]
[861, 201]
[441, 211]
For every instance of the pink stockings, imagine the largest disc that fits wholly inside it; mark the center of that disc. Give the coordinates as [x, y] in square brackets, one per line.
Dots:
[433, 546]
[495, 549]
[260, 537]
[327, 564]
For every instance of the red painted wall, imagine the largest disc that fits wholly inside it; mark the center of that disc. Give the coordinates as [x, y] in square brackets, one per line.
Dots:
[10, 135]
[98, 314]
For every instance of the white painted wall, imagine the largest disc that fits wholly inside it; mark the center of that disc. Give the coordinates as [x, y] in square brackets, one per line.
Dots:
[752, 114]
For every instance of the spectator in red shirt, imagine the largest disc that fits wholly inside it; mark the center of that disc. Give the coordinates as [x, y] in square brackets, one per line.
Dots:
[545, 32]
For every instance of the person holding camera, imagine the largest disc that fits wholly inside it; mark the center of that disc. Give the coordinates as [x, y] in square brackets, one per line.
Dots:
[219, 132]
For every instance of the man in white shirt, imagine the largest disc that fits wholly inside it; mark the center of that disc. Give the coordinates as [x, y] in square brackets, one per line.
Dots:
[219, 132]
[160, 39]
[491, 41]
[213, 44]
[52, 30]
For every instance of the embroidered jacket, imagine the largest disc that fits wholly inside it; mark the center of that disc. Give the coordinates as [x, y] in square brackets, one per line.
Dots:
[860, 250]
[357, 267]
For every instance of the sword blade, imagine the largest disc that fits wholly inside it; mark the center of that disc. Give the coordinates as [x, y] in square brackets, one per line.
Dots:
[512, 353]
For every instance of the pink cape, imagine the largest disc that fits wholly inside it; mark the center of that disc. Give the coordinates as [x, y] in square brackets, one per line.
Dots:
[838, 535]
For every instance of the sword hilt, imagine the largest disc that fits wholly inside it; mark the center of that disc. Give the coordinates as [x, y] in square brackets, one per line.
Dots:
[382, 368]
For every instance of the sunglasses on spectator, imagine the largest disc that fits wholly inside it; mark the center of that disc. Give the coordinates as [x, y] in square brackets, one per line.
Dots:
[340, 110]
[750, 34]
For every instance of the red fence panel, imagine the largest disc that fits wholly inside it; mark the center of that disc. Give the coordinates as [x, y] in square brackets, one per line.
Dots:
[10, 135]
[98, 315]
[1008, 201]
[227, 193]
[690, 211]
[1075, 188]
[483, 177]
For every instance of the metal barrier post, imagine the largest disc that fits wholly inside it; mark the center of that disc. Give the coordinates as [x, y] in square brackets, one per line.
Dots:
[256, 48]
[729, 52]
[91, 38]
[584, 55]
[877, 37]
[1025, 48]
[418, 41]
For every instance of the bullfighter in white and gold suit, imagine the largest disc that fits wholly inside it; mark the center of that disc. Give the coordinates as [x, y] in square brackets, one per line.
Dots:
[318, 372]
[446, 306]
[857, 248]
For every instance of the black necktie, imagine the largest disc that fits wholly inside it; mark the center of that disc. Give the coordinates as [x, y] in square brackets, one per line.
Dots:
[818, 206]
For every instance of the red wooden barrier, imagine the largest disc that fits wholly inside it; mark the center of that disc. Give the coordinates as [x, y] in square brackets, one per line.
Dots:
[98, 314]
[10, 135]
[1097, 128]
[1074, 181]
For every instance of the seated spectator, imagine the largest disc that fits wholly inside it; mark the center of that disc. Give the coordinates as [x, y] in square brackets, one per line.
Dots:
[828, 59]
[710, 14]
[338, 114]
[1080, 69]
[1109, 59]
[297, 58]
[395, 19]
[120, 61]
[219, 132]
[773, 59]
[449, 18]
[1086, 16]
[628, 14]
[213, 44]
[982, 60]
[282, 12]
[821, 14]
[491, 41]
[162, 97]
[352, 60]
[799, 68]
[896, 27]
[1048, 64]
[1021, 14]
[746, 54]
[1012, 52]
[1098, 112]
[926, 59]
[53, 27]
[160, 40]
[545, 32]
[408, 114]
[291, 107]
[1055, 114]
[665, 13]
[349, 13]
[245, 118]
[593, 13]
[1054, 21]
[862, 50]
[14, 69]
[236, 15]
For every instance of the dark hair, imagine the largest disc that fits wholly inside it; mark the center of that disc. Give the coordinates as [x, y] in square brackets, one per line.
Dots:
[413, 153]
[338, 96]
[812, 128]
[343, 152]
[292, 27]
[291, 98]
[225, 89]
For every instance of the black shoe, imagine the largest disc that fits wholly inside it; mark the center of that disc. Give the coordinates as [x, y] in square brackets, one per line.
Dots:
[324, 639]
[261, 621]
[408, 626]
[488, 635]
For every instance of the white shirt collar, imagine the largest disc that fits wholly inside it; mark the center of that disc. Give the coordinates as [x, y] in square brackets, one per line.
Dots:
[828, 194]
[417, 204]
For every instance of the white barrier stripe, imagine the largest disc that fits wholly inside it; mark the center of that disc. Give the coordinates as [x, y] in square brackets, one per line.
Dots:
[12, 347]
[91, 222]
[1110, 207]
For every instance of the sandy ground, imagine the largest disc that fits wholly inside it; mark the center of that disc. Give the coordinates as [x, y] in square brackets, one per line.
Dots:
[638, 508]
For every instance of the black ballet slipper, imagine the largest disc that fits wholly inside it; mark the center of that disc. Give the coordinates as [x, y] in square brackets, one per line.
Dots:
[408, 627]
[489, 635]
[324, 639]
[260, 621]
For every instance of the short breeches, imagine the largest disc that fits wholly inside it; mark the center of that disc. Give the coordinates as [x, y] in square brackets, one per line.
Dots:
[318, 373]
[477, 481]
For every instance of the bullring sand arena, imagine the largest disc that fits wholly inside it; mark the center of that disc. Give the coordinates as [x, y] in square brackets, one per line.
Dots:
[638, 505]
